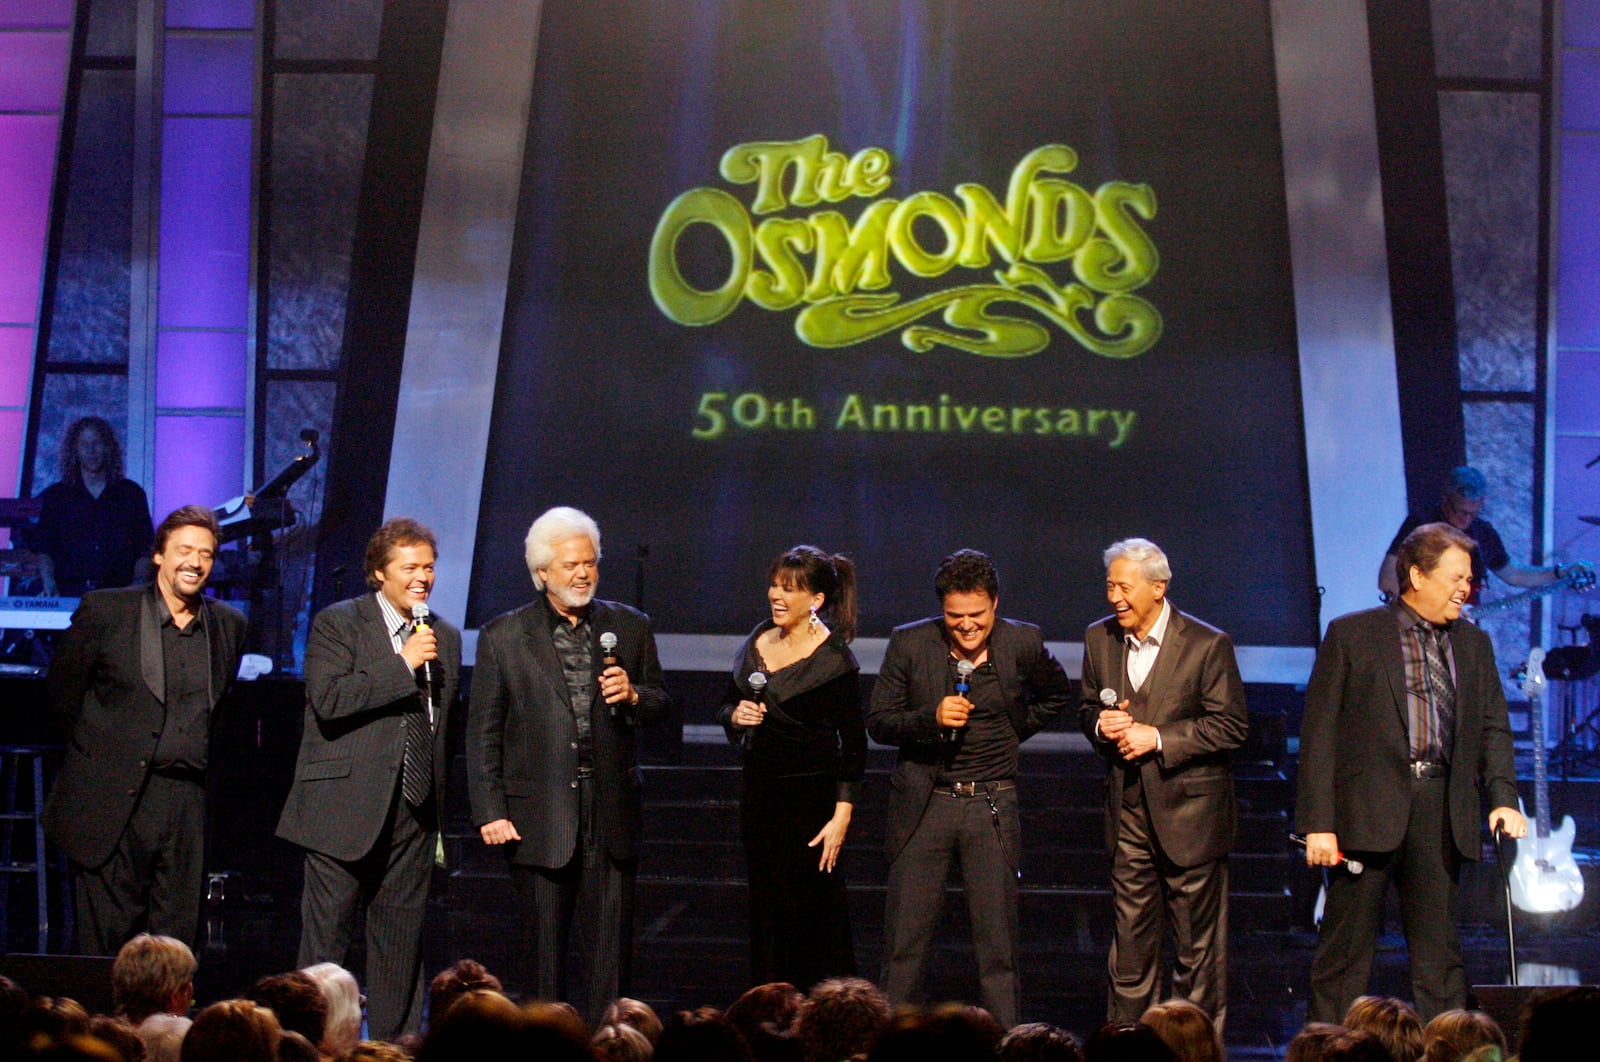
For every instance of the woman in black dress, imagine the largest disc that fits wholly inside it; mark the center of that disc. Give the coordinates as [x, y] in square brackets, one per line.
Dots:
[805, 748]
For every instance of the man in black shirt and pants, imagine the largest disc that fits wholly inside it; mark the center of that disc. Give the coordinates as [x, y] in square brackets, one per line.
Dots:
[954, 789]
[133, 684]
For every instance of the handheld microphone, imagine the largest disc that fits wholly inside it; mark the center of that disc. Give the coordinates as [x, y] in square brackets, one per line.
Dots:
[1108, 697]
[758, 687]
[420, 614]
[608, 656]
[964, 670]
[1354, 866]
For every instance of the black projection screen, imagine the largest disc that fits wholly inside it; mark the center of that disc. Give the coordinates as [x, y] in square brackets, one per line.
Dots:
[899, 278]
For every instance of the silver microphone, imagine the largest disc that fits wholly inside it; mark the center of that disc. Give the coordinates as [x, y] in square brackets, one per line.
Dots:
[1108, 697]
[608, 656]
[1354, 866]
[964, 670]
[420, 614]
[758, 686]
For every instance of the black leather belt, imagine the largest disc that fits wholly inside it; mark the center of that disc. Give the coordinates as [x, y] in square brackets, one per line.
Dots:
[972, 789]
[1429, 769]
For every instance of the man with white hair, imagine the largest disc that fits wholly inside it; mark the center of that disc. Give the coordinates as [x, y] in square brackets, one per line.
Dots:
[1164, 704]
[560, 688]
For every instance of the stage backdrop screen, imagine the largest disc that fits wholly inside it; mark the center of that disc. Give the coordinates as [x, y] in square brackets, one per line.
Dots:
[899, 278]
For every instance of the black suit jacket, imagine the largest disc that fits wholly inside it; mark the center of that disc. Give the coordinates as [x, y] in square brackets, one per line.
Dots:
[1195, 698]
[107, 687]
[522, 738]
[1354, 738]
[915, 677]
[358, 691]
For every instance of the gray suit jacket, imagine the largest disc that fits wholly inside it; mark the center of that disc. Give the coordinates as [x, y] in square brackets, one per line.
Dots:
[522, 739]
[358, 691]
[1195, 698]
[107, 687]
[1355, 745]
[915, 677]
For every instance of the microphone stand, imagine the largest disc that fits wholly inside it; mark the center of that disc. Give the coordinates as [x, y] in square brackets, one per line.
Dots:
[1505, 878]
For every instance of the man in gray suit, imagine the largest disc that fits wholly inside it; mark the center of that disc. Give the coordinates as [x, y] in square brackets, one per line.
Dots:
[381, 676]
[959, 693]
[1163, 703]
[551, 758]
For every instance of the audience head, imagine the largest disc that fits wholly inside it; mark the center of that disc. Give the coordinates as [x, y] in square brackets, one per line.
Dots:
[235, 1030]
[621, 1043]
[700, 1035]
[153, 975]
[842, 1016]
[163, 1036]
[1393, 1021]
[1186, 1029]
[950, 1033]
[342, 1030]
[765, 1017]
[1455, 1032]
[1309, 1043]
[1556, 1019]
[293, 1047]
[1355, 1045]
[376, 1051]
[1039, 1041]
[455, 981]
[119, 1035]
[296, 1000]
[1127, 1041]
[55, 1018]
[640, 1015]
[483, 1024]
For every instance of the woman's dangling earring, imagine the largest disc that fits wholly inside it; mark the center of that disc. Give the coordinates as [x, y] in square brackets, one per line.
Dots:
[813, 623]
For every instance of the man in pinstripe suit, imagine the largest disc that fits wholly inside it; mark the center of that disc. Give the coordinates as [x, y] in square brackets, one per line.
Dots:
[551, 756]
[369, 781]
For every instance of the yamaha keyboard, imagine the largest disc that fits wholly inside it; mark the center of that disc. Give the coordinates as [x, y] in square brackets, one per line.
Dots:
[37, 613]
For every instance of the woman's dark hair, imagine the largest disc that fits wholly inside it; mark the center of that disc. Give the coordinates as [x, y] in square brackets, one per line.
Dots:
[831, 575]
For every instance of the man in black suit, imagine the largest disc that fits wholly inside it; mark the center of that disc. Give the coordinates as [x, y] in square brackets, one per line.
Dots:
[1176, 709]
[369, 782]
[134, 683]
[954, 791]
[1405, 718]
[551, 755]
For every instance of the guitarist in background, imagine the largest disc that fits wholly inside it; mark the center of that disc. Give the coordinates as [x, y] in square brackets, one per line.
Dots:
[1461, 506]
[1405, 719]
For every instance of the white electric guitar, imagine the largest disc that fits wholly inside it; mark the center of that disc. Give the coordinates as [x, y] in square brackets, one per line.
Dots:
[1544, 878]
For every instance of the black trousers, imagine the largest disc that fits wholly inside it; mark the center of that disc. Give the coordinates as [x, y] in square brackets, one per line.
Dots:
[153, 880]
[598, 891]
[393, 881]
[1145, 885]
[1425, 868]
[987, 842]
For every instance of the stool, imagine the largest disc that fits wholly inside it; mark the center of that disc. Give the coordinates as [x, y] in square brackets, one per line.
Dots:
[14, 760]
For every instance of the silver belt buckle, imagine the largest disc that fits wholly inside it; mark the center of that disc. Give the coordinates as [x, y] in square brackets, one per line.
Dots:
[965, 789]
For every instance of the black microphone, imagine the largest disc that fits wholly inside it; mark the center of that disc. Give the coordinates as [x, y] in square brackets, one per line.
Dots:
[419, 620]
[758, 687]
[1354, 866]
[608, 657]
